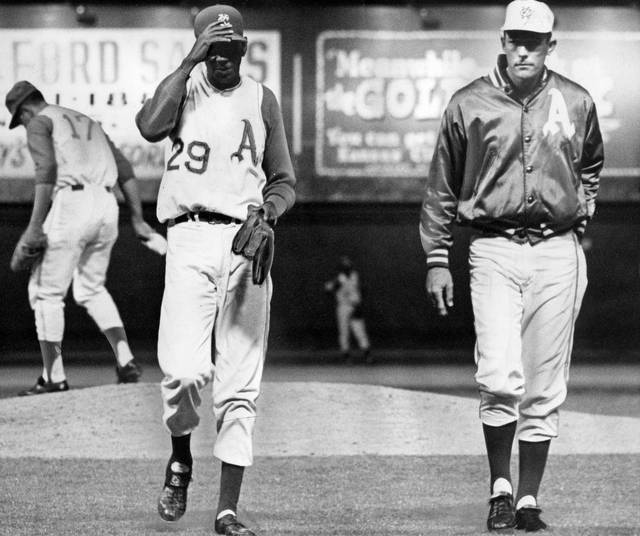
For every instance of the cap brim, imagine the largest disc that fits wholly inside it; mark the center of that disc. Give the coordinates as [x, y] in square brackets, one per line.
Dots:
[538, 31]
[14, 121]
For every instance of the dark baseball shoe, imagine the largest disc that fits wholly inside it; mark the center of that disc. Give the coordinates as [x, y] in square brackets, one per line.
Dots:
[501, 512]
[368, 358]
[130, 373]
[230, 526]
[528, 519]
[172, 502]
[41, 387]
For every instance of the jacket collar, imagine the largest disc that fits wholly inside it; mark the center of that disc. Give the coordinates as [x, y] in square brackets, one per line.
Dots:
[500, 79]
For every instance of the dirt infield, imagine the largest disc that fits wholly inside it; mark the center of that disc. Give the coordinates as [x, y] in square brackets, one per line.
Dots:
[296, 419]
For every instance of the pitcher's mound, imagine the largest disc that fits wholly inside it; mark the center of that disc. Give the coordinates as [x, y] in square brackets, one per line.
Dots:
[294, 419]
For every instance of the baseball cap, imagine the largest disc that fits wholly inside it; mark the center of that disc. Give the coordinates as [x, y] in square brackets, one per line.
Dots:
[528, 16]
[229, 15]
[16, 96]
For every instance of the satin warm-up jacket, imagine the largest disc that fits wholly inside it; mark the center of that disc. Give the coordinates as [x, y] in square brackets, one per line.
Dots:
[525, 170]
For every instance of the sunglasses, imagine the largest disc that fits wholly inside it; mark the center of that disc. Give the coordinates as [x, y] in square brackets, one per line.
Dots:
[226, 50]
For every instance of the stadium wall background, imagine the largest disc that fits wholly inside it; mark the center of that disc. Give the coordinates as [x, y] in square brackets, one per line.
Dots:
[359, 209]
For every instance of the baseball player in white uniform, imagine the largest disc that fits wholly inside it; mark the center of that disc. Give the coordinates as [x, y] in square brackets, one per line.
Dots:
[518, 160]
[75, 215]
[228, 172]
[346, 288]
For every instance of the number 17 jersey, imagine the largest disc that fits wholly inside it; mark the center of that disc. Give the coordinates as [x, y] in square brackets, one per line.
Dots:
[213, 159]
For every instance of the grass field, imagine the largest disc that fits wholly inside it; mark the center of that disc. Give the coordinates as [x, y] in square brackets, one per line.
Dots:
[315, 496]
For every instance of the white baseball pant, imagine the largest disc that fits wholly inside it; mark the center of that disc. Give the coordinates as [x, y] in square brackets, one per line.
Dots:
[81, 229]
[525, 301]
[209, 289]
[347, 324]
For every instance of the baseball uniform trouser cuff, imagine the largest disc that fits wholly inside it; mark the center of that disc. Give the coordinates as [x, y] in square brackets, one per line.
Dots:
[538, 429]
[181, 397]
[496, 411]
[101, 308]
[234, 443]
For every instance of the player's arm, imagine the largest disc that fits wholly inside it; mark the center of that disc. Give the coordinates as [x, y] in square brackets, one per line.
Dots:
[278, 193]
[40, 144]
[160, 115]
[592, 159]
[129, 186]
[439, 208]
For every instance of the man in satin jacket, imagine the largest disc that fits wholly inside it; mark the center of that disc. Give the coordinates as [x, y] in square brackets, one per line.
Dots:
[518, 160]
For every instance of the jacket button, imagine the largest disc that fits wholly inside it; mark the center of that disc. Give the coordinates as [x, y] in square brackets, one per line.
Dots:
[527, 139]
[529, 169]
[530, 199]
[525, 109]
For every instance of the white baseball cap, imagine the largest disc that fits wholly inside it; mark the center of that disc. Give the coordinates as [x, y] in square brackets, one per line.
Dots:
[528, 16]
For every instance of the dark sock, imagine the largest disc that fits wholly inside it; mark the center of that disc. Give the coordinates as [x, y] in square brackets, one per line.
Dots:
[182, 449]
[230, 484]
[533, 458]
[499, 440]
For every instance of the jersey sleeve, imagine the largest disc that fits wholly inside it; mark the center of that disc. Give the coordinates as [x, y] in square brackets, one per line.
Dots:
[160, 114]
[279, 189]
[40, 143]
[125, 169]
[440, 202]
[592, 159]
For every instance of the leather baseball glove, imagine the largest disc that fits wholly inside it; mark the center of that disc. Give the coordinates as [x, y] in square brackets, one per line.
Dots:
[255, 240]
[29, 250]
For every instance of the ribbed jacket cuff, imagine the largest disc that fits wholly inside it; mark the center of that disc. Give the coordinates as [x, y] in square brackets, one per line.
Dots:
[438, 257]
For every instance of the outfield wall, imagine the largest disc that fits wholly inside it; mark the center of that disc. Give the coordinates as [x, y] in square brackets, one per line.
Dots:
[383, 241]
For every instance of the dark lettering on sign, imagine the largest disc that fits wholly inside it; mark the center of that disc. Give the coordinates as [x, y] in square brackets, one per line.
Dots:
[50, 62]
[79, 60]
[18, 64]
[146, 49]
[108, 51]
[256, 56]
[247, 136]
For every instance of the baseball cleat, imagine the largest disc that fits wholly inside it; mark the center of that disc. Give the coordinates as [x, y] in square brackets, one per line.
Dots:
[129, 373]
[172, 502]
[501, 512]
[41, 387]
[528, 519]
[368, 358]
[230, 526]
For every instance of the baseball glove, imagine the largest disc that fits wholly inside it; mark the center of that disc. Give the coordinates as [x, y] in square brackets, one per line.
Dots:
[29, 250]
[255, 240]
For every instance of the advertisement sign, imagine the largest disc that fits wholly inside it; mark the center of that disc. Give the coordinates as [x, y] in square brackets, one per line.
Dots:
[381, 95]
[107, 74]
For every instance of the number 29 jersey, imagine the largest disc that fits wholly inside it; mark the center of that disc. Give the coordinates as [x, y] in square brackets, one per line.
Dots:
[213, 158]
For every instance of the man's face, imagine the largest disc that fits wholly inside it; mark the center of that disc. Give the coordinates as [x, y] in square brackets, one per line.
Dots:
[526, 53]
[24, 116]
[223, 63]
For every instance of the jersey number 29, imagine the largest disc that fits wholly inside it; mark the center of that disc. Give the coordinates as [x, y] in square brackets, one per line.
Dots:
[197, 153]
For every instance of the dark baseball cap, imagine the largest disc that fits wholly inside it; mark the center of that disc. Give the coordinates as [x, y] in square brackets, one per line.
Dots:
[16, 96]
[230, 16]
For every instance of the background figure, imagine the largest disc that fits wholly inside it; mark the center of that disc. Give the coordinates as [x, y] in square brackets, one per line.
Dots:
[518, 159]
[75, 213]
[349, 316]
[228, 178]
